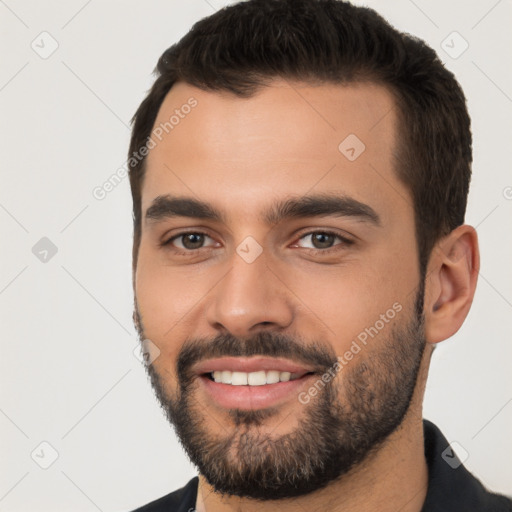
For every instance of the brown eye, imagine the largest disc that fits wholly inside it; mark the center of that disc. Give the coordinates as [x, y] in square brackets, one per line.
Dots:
[192, 240]
[322, 240]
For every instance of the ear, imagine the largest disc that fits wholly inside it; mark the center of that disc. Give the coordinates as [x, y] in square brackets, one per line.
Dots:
[451, 278]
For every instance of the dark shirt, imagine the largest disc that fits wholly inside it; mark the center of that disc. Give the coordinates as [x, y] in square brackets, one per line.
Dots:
[451, 487]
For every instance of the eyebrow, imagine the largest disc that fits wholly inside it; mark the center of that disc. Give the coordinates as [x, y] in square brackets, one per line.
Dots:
[168, 206]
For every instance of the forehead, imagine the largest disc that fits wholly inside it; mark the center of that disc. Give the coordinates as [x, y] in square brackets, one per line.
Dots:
[289, 138]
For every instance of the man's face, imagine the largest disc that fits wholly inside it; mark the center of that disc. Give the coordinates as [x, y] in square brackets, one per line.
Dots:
[277, 247]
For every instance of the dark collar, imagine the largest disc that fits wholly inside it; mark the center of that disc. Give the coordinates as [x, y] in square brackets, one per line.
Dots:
[451, 487]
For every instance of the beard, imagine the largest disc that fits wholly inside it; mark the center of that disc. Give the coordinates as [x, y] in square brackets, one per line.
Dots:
[348, 420]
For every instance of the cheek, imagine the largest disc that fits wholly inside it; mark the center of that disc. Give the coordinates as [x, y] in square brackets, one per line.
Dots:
[165, 294]
[357, 300]
[161, 303]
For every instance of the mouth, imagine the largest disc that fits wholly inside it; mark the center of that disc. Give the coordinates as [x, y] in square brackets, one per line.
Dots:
[252, 383]
[258, 378]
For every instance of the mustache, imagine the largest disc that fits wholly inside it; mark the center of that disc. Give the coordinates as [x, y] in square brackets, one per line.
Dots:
[316, 354]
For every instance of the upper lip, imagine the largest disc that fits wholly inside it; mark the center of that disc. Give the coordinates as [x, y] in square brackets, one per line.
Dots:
[249, 364]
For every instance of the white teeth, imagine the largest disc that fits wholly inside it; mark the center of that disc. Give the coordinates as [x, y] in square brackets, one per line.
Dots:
[259, 378]
[256, 378]
[239, 379]
[272, 377]
[284, 376]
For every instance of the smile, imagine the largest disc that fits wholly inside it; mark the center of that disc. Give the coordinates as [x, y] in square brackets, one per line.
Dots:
[260, 378]
[251, 383]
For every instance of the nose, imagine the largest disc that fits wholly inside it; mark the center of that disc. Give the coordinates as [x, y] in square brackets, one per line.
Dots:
[250, 298]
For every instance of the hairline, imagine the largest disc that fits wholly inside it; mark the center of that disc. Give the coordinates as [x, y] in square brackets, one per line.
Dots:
[399, 152]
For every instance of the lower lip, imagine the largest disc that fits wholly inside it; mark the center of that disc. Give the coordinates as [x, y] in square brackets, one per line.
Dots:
[253, 397]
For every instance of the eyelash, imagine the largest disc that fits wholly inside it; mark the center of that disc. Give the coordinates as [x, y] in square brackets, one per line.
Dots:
[345, 242]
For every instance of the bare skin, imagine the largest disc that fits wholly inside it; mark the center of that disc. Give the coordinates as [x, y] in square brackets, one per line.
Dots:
[243, 155]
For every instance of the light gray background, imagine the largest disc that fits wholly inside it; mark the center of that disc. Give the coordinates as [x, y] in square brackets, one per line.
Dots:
[69, 375]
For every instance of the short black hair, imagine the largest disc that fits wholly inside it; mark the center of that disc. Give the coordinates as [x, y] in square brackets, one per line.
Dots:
[242, 47]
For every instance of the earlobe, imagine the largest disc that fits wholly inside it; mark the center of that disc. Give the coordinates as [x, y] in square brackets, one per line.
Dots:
[450, 283]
